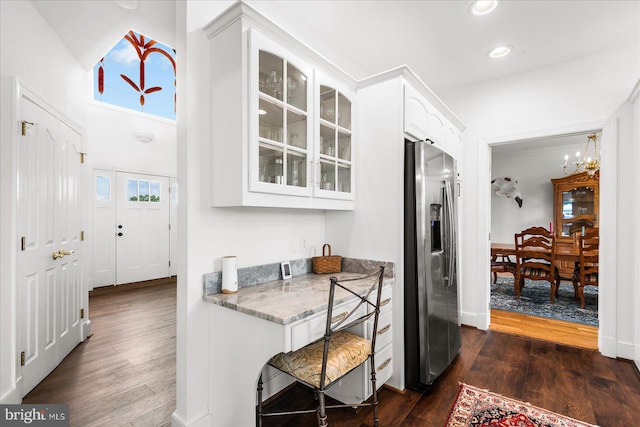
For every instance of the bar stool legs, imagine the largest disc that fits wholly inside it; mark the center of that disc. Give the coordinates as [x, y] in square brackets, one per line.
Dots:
[259, 408]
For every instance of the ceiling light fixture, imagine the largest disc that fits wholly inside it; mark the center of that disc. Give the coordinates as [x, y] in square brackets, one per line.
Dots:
[127, 4]
[500, 51]
[483, 7]
[587, 164]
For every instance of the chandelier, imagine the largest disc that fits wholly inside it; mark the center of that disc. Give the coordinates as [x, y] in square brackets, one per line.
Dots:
[587, 164]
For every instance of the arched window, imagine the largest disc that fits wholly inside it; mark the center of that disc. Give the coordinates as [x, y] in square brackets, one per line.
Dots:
[140, 74]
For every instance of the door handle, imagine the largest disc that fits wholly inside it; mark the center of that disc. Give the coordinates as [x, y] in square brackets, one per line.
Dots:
[119, 234]
[61, 254]
[120, 226]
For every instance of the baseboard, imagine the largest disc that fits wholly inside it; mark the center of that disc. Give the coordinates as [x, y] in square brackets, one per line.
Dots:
[625, 350]
[130, 286]
[86, 330]
[607, 346]
[202, 420]
[11, 397]
[475, 320]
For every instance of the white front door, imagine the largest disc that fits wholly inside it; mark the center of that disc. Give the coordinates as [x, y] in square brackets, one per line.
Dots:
[142, 227]
[49, 276]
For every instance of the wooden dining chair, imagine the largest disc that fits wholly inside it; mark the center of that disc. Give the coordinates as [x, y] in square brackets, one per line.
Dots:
[535, 259]
[324, 362]
[501, 263]
[586, 273]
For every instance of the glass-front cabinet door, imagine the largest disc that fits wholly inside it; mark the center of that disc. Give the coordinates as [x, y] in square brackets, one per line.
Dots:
[335, 146]
[576, 205]
[282, 150]
[578, 210]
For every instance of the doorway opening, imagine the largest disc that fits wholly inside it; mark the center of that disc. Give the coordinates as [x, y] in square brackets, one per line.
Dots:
[551, 141]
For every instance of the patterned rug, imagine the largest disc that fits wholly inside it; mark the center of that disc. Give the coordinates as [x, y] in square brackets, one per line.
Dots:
[534, 300]
[480, 408]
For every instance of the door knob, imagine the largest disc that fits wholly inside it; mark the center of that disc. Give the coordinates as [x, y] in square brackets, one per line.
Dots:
[119, 234]
[61, 254]
[120, 226]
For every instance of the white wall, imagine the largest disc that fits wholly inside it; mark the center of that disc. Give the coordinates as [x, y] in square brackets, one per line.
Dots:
[533, 169]
[257, 236]
[559, 97]
[112, 144]
[31, 51]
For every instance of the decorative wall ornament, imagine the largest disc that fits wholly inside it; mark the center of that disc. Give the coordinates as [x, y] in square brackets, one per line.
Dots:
[506, 187]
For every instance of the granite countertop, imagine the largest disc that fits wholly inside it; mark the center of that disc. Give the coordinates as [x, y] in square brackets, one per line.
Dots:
[286, 301]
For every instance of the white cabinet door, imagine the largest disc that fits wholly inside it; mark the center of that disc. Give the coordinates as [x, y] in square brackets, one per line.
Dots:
[280, 124]
[334, 176]
[416, 113]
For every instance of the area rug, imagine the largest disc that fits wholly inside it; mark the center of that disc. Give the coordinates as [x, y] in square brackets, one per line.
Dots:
[475, 407]
[534, 300]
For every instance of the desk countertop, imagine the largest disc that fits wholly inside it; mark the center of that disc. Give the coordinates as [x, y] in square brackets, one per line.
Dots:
[286, 301]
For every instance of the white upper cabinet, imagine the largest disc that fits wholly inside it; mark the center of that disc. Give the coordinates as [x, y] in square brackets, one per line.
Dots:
[280, 136]
[423, 121]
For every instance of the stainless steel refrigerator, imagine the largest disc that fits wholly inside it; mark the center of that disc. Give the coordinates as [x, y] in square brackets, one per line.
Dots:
[432, 328]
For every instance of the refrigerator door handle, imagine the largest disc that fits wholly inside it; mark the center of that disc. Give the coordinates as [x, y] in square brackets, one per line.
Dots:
[450, 231]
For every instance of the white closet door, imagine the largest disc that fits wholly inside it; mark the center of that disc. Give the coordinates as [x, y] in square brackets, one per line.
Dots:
[49, 273]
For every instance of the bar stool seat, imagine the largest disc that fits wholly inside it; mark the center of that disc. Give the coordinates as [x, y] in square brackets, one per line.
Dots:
[346, 352]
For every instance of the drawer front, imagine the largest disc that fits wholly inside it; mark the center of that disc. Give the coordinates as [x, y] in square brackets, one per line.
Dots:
[385, 300]
[385, 332]
[311, 329]
[384, 367]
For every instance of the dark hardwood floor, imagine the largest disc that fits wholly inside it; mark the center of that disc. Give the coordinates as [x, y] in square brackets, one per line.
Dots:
[124, 375]
[572, 381]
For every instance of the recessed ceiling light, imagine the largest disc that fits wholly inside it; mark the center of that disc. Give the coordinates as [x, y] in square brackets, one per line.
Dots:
[127, 4]
[499, 52]
[482, 7]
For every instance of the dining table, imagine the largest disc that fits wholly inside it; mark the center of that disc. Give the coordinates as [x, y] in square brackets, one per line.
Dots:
[569, 253]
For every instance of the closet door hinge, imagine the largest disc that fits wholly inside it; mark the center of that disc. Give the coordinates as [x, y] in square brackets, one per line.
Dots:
[82, 313]
[82, 236]
[24, 127]
[23, 243]
[22, 357]
[82, 155]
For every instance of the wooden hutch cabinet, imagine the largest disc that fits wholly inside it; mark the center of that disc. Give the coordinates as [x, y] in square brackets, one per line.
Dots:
[575, 205]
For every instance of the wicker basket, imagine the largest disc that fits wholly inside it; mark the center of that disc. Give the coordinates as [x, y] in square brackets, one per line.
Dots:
[327, 263]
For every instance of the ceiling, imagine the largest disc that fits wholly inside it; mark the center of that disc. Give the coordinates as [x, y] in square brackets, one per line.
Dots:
[440, 40]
